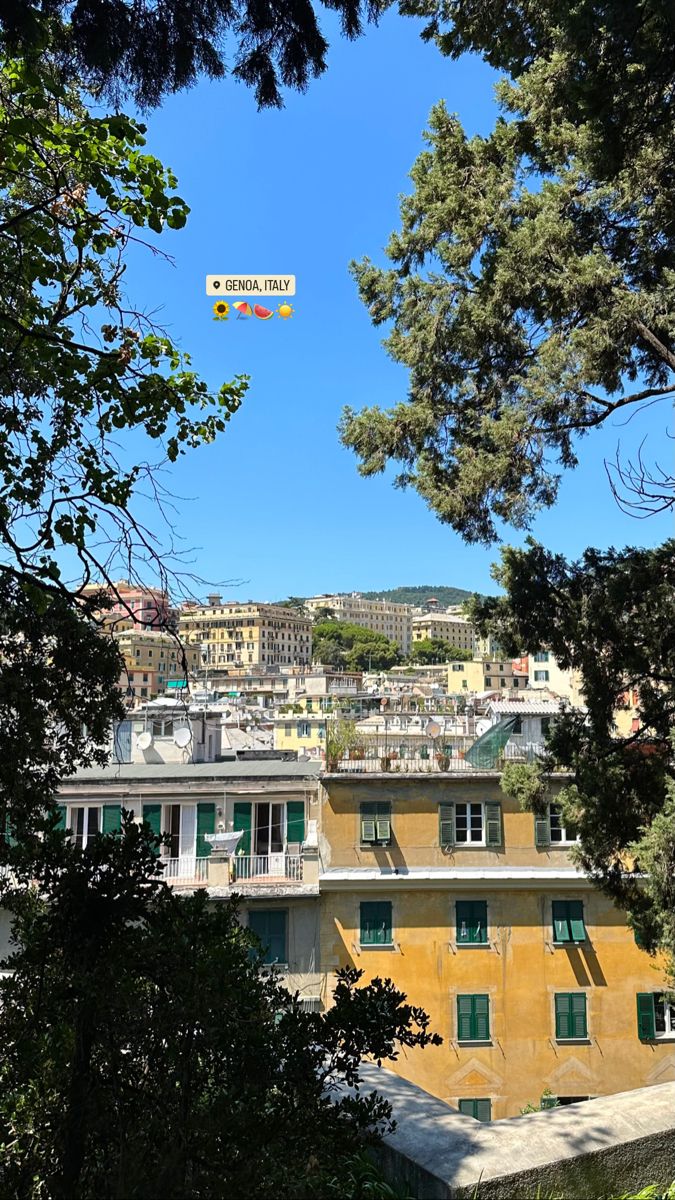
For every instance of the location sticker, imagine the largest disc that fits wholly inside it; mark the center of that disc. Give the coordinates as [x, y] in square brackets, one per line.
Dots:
[250, 285]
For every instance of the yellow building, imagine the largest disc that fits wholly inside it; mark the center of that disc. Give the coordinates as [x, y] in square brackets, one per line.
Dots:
[392, 620]
[304, 732]
[446, 627]
[154, 662]
[484, 675]
[476, 912]
[247, 634]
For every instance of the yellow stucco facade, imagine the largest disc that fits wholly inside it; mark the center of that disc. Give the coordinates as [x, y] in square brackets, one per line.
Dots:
[521, 966]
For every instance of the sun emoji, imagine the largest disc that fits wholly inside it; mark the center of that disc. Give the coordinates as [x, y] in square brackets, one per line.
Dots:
[285, 310]
[221, 308]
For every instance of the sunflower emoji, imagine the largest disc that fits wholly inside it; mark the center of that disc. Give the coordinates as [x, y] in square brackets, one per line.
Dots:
[221, 308]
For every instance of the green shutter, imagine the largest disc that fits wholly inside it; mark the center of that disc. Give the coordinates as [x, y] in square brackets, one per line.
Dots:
[578, 1014]
[465, 1023]
[570, 1015]
[471, 922]
[493, 824]
[446, 824]
[375, 819]
[542, 832]
[562, 1015]
[152, 814]
[548, 1101]
[375, 919]
[270, 926]
[367, 829]
[206, 823]
[242, 820]
[112, 818]
[61, 813]
[481, 1009]
[480, 1110]
[383, 829]
[646, 1020]
[295, 821]
[575, 910]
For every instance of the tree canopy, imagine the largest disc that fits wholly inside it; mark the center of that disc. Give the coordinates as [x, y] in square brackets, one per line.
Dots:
[352, 647]
[142, 1044]
[436, 650]
[145, 50]
[529, 290]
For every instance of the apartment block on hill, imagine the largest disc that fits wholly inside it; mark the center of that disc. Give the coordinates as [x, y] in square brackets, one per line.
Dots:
[392, 620]
[154, 662]
[135, 607]
[236, 634]
[446, 627]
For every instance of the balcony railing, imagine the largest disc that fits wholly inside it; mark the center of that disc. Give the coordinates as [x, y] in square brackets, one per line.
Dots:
[432, 761]
[186, 869]
[267, 867]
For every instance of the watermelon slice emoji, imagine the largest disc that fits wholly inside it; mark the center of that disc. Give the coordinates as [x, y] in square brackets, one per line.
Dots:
[263, 313]
[243, 308]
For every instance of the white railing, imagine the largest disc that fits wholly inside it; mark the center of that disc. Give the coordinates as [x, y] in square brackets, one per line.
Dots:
[268, 866]
[186, 869]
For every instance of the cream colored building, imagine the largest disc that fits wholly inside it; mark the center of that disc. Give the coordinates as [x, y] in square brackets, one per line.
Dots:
[392, 620]
[544, 672]
[235, 634]
[445, 627]
[154, 662]
[484, 675]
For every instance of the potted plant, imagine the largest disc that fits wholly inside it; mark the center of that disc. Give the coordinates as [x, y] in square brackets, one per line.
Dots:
[386, 762]
[443, 761]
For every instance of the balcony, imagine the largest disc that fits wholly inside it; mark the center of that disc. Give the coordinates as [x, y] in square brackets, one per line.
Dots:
[267, 868]
[429, 759]
[185, 871]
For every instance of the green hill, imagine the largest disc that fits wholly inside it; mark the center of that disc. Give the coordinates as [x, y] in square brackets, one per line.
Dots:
[418, 595]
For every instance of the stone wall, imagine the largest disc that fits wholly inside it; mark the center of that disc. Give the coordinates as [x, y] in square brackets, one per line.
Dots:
[595, 1149]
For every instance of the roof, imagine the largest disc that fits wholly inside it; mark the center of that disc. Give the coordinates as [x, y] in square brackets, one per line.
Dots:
[269, 768]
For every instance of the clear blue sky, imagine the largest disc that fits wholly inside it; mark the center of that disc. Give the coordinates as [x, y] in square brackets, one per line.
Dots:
[277, 502]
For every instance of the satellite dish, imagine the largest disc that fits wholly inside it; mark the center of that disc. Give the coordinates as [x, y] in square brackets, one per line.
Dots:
[144, 740]
[183, 736]
[433, 729]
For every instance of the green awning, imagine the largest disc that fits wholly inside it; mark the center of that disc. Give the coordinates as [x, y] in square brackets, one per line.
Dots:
[487, 748]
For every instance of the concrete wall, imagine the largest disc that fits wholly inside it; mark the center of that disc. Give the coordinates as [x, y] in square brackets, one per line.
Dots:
[596, 1149]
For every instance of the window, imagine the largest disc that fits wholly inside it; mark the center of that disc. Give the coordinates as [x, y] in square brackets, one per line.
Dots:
[376, 823]
[568, 921]
[542, 656]
[304, 729]
[469, 822]
[473, 1018]
[269, 828]
[655, 1016]
[541, 677]
[162, 728]
[269, 925]
[145, 677]
[458, 666]
[517, 725]
[545, 723]
[488, 681]
[557, 831]
[570, 1016]
[471, 922]
[480, 1110]
[376, 923]
[85, 822]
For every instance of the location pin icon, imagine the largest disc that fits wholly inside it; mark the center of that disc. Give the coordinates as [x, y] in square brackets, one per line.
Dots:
[216, 284]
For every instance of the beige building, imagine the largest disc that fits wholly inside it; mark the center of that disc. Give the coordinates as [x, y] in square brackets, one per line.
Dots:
[445, 627]
[544, 672]
[154, 662]
[394, 621]
[236, 634]
[484, 675]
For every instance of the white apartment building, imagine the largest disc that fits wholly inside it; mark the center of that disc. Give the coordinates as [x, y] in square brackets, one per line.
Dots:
[392, 620]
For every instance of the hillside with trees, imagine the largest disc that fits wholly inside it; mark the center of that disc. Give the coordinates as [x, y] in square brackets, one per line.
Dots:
[418, 595]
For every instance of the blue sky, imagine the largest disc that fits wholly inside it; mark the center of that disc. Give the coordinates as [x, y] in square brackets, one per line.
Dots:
[277, 502]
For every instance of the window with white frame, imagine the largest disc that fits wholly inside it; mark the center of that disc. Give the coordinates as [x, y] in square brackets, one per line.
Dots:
[179, 821]
[469, 823]
[664, 1016]
[560, 833]
[85, 822]
[541, 677]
